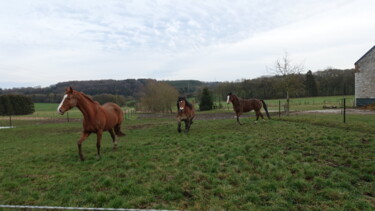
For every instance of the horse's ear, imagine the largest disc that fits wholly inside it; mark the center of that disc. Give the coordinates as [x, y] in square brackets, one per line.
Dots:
[230, 93]
[69, 90]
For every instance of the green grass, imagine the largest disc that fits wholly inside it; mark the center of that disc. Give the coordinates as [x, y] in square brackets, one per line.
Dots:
[311, 103]
[219, 165]
[354, 122]
[47, 112]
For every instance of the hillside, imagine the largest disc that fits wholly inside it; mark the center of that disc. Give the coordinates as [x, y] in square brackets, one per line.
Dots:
[330, 82]
[129, 88]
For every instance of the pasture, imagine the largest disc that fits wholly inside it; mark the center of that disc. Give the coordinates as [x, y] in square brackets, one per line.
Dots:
[301, 162]
[301, 104]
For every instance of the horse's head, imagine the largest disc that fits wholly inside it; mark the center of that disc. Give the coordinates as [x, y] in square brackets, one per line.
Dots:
[181, 103]
[68, 102]
[230, 97]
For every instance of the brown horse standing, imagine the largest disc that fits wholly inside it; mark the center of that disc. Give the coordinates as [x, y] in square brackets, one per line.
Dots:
[245, 105]
[185, 113]
[96, 118]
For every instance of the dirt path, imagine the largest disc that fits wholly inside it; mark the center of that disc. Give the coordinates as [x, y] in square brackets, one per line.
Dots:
[337, 111]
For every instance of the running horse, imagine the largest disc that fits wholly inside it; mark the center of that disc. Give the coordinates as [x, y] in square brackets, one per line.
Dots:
[185, 112]
[96, 118]
[245, 105]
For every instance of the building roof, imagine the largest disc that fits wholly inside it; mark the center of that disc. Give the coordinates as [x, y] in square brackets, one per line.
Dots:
[373, 48]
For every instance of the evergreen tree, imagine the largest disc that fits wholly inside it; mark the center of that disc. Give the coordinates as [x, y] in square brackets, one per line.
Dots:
[16, 105]
[310, 84]
[2, 108]
[206, 102]
[7, 105]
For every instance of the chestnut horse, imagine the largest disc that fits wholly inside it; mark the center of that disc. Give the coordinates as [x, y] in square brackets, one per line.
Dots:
[245, 105]
[96, 118]
[185, 112]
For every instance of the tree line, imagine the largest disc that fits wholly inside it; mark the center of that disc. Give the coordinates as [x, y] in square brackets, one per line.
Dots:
[130, 89]
[330, 82]
[149, 94]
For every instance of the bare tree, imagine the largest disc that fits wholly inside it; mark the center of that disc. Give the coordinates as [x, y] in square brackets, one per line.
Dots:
[285, 67]
[289, 72]
[159, 97]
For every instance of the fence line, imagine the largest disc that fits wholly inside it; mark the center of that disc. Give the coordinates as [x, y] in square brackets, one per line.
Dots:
[129, 113]
[74, 208]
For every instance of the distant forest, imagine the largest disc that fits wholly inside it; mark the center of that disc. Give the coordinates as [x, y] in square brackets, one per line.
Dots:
[329, 82]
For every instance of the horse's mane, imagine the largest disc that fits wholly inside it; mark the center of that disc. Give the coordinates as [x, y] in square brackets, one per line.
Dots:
[87, 97]
[241, 100]
[187, 103]
[238, 99]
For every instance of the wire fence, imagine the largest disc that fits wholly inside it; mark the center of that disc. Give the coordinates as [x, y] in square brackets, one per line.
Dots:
[51, 117]
[324, 105]
[338, 108]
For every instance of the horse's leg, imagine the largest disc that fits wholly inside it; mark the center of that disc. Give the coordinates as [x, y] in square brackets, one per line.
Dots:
[79, 144]
[179, 125]
[238, 120]
[113, 138]
[99, 135]
[257, 114]
[187, 125]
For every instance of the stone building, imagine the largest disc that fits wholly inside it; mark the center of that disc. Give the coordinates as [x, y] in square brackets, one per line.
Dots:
[365, 79]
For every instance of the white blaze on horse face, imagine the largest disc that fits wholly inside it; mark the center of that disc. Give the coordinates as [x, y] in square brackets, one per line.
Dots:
[181, 108]
[228, 99]
[62, 102]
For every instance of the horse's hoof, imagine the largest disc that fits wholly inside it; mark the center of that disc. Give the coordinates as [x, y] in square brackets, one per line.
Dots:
[98, 157]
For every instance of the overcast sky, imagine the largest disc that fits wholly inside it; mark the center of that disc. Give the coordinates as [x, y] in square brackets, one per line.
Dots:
[43, 42]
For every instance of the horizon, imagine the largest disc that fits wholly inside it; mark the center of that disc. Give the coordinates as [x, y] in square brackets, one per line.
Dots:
[45, 42]
[162, 80]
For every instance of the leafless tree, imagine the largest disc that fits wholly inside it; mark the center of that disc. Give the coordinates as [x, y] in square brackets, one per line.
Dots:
[289, 72]
[159, 97]
[285, 67]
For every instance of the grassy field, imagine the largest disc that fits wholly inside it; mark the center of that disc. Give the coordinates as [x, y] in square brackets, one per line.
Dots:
[302, 162]
[303, 104]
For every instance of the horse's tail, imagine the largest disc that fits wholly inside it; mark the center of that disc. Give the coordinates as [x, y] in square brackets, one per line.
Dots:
[265, 108]
[118, 130]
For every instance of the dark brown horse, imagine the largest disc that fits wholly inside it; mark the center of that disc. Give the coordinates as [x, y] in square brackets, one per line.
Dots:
[96, 118]
[245, 105]
[185, 112]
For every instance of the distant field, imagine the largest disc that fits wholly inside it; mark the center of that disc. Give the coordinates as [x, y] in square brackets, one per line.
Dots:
[50, 110]
[302, 162]
[309, 103]
[312, 103]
